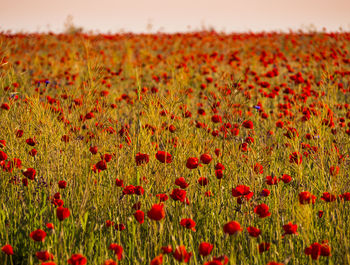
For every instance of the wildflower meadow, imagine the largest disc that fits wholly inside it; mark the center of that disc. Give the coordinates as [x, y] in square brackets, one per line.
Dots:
[202, 148]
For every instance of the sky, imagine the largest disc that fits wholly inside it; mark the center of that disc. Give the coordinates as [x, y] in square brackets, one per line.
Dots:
[174, 15]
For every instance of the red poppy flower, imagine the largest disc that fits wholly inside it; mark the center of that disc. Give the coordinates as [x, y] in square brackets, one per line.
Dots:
[31, 141]
[17, 162]
[128, 190]
[77, 259]
[205, 248]
[206, 158]
[235, 131]
[139, 190]
[316, 250]
[107, 157]
[279, 124]
[109, 223]
[264, 247]
[180, 254]
[271, 180]
[164, 157]
[29, 173]
[219, 166]
[232, 228]
[291, 133]
[325, 249]
[188, 223]
[242, 190]
[8, 167]
[258, 169]
[50, 226]
[345, 196]
[308, 136]
[89, 115]
[141, 159]
[320, 214]
[162, 197]
[3, 156]
[44, 255]
[2, 144]
[286, 178]
[209, 79]
[93, 150]
[192, 163]
[157, 260]
[62, 213]
[178, 195]
[57, 202]
[295, 158]
[7, 249]
[109, 262]
[119, 227]
[19, 133]
[101, 165]
[172, 128]
[249, 140]
[25, 182]
[216, 119]
[253, 231]
[201, 112]
[119, 182]
[167, 249]
[334, 170]
[243, 147]
[262, 210]
[219, 174]
[203, 181]
[118, 250]
[139, 216]
[38, 235]
[248, 124]
[265, 193]
[274, 263]
[327, 197]
[290, 229]
[306, 197]
[181, 182]
[223, 259]
[62, 184]
[157, 212]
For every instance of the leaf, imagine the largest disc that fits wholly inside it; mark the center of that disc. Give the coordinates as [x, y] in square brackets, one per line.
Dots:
[83, 220]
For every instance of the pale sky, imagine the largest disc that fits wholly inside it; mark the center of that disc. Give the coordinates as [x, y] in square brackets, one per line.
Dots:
[174, 15]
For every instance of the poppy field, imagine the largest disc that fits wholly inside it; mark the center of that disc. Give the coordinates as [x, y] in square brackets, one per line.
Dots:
[196, 148]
